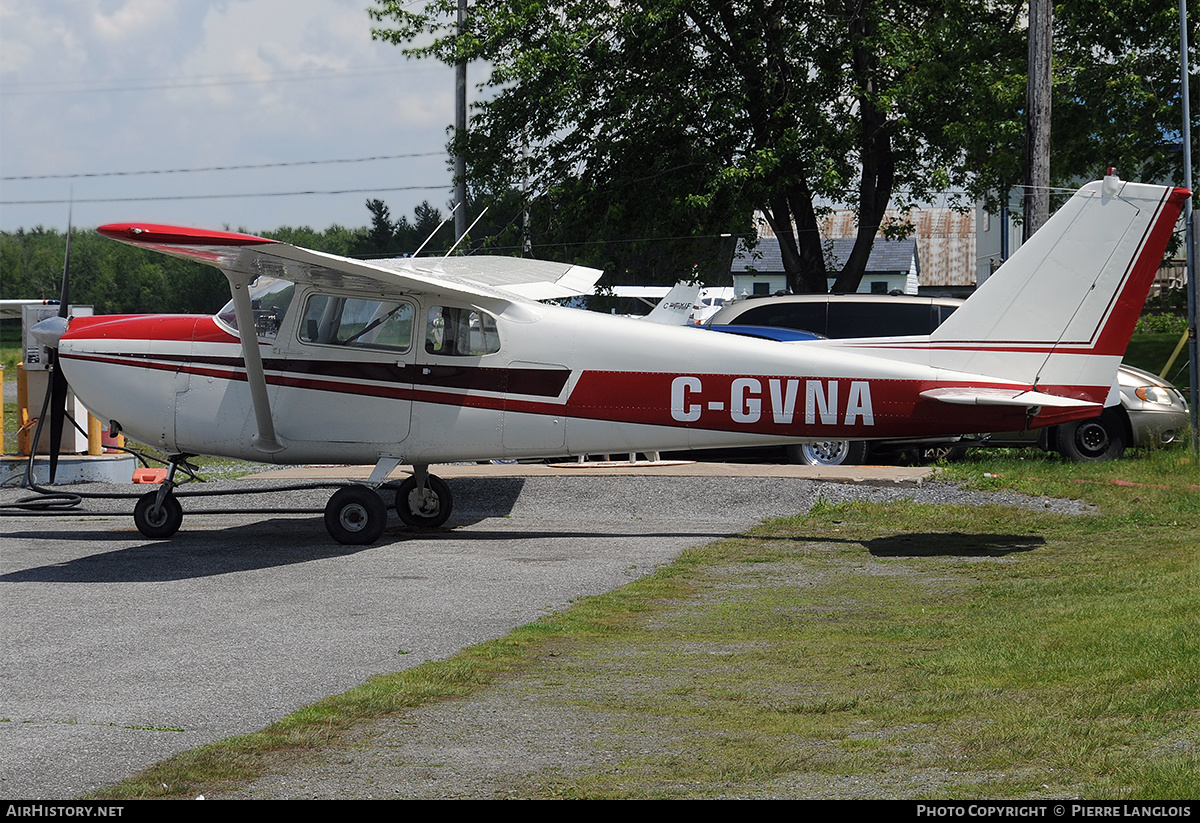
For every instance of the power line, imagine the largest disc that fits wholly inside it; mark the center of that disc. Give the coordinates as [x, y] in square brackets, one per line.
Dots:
[218, 196]
[218, 168]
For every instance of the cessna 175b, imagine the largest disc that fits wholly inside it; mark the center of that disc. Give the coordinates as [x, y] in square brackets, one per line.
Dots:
[319, 358]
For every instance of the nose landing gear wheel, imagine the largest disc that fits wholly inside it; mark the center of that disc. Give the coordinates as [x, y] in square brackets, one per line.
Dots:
[355, 516]
[155, 521]
[429, 509]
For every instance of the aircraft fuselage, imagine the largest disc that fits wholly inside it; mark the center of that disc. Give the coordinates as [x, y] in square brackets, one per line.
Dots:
[541, 386]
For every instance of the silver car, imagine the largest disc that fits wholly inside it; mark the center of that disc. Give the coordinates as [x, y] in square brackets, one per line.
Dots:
[1152, 411]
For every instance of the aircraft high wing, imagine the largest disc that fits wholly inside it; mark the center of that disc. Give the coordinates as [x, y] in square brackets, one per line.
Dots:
[12, 308]
[320, 358]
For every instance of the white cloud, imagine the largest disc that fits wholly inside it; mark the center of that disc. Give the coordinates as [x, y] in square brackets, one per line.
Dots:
[220, 83]
[33, 38]
[133, 19]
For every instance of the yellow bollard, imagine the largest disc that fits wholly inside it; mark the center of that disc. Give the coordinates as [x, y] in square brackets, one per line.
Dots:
[24, 435]
[95, 447]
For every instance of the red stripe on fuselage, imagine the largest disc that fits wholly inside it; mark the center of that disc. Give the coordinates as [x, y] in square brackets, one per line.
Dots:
[784, 405]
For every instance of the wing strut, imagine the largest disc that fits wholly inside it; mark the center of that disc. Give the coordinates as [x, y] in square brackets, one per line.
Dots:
[239, 287]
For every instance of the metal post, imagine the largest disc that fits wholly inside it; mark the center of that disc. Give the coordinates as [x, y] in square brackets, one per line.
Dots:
[460, 132]
[1189, 226]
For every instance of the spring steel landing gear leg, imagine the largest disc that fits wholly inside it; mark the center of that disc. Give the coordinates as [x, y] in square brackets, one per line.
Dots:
[158, 514]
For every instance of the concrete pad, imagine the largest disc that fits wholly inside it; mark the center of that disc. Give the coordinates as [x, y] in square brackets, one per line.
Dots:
[858, 475]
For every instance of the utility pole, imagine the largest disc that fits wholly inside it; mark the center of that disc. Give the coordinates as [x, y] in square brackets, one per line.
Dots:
[460, 133]
[1189, 229]
[1037, 116]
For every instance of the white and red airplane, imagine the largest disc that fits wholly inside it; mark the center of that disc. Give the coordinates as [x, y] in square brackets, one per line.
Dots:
[319, 358]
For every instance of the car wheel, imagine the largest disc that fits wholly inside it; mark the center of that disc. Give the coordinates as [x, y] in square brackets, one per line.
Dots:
[829, 453]
[1093, 441]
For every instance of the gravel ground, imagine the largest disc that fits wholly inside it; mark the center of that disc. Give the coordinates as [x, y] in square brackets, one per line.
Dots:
[116, 651]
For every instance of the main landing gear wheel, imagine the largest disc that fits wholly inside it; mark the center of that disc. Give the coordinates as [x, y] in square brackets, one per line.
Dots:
[829, 453]
[155, 521]
[355, 516]
[429, 509]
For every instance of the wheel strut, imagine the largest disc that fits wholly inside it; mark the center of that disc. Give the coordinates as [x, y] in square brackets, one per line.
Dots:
[158, 514]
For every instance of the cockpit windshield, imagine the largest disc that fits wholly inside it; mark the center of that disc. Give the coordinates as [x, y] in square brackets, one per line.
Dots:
[269, 300]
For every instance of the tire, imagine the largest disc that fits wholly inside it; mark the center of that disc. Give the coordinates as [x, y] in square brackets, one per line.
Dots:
[429, 513]
[154, 521]
[355, 516]
[1094, 440]
[829, 453]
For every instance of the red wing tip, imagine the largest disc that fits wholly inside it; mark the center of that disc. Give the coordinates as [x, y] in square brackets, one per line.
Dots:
[176, 235]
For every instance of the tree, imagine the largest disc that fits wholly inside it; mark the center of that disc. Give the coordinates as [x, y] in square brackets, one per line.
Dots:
[383, 231]
[682, 116]
[111, 277]
[1117, 99]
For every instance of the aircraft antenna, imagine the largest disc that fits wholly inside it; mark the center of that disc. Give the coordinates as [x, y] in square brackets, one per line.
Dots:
[435, 231]
[465, 233]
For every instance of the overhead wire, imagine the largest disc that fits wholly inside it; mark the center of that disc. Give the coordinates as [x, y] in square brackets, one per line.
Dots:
[240, 167]
[221, 196]
[231, 167]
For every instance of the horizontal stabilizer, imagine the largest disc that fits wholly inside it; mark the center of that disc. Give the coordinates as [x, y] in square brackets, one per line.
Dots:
[1007, 397]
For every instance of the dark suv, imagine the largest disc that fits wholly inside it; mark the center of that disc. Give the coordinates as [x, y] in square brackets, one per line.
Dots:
[1152, 411]
[841, 315]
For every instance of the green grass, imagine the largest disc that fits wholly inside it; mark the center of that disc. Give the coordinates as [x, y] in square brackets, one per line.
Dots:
[897, 650]
[11, 423]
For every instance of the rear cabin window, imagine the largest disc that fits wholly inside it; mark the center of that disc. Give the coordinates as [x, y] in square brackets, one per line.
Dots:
[357, 322]
[460, 332]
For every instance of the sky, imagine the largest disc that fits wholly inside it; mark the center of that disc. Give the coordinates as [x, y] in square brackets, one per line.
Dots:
[95, 93]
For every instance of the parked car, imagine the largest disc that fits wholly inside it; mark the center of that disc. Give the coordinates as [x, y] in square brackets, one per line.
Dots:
[1152, 412]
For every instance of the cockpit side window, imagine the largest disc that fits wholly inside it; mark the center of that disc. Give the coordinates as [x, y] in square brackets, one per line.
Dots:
[460, 332]
[358, 322]
[269, 300]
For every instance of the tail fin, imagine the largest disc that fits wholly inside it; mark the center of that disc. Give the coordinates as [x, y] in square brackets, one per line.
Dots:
[1061, 311]
[677, 306]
